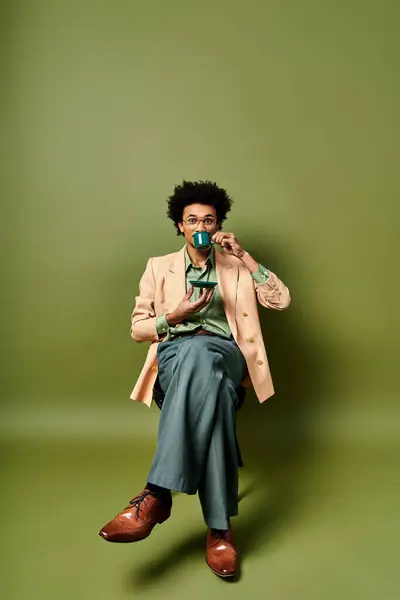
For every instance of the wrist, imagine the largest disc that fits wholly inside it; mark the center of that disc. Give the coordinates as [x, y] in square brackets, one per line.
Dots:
[172, 319]
[249, 262]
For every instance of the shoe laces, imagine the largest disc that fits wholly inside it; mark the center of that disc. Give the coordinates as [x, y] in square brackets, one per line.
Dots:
[139, 500]
[220, 534]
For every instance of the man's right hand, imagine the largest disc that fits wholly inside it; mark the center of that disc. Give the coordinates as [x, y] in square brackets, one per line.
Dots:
[187, 309]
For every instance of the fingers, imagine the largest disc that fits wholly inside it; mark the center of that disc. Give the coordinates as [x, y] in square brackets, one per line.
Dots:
[222, 237]
[206, 295]
[204, 299]
[190, 292]
[210, 294]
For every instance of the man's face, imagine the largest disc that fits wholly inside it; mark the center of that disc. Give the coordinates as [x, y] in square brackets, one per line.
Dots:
[189, 226]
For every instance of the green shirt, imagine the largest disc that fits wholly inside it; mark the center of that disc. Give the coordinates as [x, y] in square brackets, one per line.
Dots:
[212, 317]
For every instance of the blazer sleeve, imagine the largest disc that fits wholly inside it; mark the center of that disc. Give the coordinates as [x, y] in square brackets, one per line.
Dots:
[143, 319]
[273, 293]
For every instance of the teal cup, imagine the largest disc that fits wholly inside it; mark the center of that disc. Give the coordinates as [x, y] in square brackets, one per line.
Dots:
[202, 240]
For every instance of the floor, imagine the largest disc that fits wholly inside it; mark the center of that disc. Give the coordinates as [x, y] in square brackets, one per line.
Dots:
[318, 523]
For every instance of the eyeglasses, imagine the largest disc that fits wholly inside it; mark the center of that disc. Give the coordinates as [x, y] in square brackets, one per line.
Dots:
[192, 222]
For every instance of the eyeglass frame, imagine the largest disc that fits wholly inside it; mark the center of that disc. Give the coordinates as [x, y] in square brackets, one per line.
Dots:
[201, 220]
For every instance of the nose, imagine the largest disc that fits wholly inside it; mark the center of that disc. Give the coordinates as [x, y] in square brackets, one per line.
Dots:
[200, 226]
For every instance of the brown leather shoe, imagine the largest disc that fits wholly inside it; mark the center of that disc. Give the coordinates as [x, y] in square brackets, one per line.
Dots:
[221, 553]
[136, 521]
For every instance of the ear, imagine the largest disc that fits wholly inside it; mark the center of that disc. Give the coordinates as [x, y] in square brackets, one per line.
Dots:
[180, 225]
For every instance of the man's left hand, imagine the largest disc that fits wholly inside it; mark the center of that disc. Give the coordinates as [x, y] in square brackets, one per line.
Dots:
[229, 243]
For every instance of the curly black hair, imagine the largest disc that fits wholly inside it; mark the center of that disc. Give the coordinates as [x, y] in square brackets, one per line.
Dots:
[198, 192]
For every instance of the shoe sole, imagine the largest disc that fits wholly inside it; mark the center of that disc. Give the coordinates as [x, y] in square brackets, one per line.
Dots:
[221, 574]
[123, 541]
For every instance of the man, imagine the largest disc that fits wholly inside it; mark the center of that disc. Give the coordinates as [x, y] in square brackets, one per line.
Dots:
[204, 345]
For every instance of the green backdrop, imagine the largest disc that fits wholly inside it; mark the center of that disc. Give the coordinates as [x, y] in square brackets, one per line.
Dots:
[293, 107]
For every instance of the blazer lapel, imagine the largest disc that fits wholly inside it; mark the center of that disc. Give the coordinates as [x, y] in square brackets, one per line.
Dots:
[175, 281]
[227, 276]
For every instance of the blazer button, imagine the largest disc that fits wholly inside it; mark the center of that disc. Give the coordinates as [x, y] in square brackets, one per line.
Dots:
[245, 315]
[260, 362]
[250, 340]
[154, 368]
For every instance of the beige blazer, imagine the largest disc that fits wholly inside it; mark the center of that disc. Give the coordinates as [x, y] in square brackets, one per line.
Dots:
[163, 286]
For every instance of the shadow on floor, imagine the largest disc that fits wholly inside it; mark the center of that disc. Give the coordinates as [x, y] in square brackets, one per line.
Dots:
[250, 535]
[171, 562]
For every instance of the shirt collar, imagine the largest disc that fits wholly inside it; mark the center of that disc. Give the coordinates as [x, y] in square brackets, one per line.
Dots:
[210, 259]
